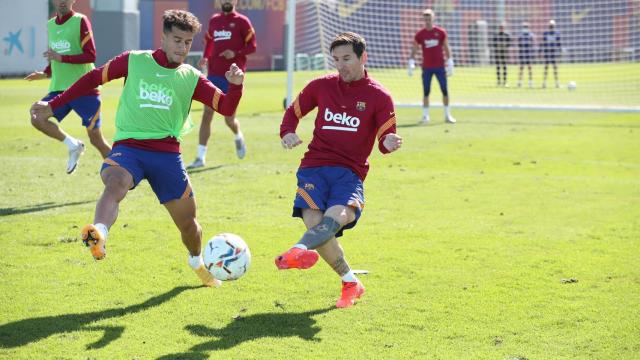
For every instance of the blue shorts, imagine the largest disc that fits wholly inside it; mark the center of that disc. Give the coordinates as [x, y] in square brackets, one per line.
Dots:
[164, 171]
[441, 75]
[525, 58]
[220, 82]
[87, 107]
[325, 186]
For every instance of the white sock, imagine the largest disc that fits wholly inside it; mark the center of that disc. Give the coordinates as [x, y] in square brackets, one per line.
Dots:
[239, 135]
[300, 246]
[71, 142]
[202, 151]
[102, 228]
[195, 262]
[446, 111]
[349, 277]
[425, 112]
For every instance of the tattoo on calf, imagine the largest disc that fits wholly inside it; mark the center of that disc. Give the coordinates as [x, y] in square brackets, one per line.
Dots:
[340, 266]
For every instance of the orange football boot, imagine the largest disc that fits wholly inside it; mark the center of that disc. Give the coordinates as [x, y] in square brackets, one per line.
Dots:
[206, 277]
[92, 239]
[350, 292]
[297, 258]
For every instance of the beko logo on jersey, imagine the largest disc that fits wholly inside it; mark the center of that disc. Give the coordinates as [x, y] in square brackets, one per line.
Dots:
[221, 35]
[430, 43]
[159, 96]
[60, 46]
[347, 122]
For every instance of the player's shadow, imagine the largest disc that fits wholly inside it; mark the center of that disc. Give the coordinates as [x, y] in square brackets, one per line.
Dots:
[249, 328]
[204, 169]
[26, 331]
[39, 207]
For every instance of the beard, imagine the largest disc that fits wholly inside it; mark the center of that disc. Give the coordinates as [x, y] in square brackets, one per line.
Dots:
[227, 7]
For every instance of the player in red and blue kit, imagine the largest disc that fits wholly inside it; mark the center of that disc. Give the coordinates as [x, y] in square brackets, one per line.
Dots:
[71, 53]
[229, 40]
[151, 118]
[353, 111]
[550, 48]
[436, 60]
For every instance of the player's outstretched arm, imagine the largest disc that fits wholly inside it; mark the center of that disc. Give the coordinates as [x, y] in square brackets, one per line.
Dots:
[290, 140]
[36, 75]
[392, 142]
[234, 75]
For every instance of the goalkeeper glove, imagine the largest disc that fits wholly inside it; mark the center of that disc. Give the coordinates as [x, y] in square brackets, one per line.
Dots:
[411, 66]
[449, 67]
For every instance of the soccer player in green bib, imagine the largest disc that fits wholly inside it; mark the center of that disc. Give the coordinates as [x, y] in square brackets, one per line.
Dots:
[152, 115]
[71, 53]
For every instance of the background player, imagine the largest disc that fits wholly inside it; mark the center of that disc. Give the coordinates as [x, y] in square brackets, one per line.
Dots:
[436, 60]
[501, 42]
[150, 120]
[353, 111]
[229, 40]
[71, 53]
[525, 52]
[551, 49]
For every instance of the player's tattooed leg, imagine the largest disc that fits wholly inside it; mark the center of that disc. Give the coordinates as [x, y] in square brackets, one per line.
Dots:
[340, 266]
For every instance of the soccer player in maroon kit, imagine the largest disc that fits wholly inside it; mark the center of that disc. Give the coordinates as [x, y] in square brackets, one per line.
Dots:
[353, 111]
[71, 52]
[229, 40]
[436, 60]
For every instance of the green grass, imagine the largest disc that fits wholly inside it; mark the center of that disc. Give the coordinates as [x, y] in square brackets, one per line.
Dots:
[470, 234]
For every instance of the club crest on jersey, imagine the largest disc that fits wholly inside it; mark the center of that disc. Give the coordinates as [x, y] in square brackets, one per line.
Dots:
[309, 187]
[361, 105]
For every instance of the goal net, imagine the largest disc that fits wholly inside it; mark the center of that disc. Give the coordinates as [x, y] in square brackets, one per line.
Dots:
[597, 55]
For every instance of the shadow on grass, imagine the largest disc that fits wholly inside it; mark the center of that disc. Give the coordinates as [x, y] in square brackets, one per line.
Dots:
[203, 169]
[23, 332]
[250, 328]
[39, 207]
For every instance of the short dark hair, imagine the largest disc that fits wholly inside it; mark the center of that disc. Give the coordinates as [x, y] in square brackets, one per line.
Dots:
[181, 19]
[350, 38]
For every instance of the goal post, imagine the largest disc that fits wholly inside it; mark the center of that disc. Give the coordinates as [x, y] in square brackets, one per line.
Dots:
[598, 53]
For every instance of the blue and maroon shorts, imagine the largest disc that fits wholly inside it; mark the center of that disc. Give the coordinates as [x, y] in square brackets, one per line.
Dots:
[164, 171]
[87, 107]
[325, 186]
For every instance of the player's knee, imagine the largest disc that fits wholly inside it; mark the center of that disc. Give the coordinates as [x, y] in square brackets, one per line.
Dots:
[37, 122]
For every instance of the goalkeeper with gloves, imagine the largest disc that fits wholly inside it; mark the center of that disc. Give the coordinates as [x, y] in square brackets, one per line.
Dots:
[436, 60]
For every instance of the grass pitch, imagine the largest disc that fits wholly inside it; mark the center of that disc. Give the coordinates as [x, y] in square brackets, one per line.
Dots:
[509, 235]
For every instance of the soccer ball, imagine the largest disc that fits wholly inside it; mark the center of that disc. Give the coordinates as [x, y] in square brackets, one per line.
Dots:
[226, 256]
[571, 85]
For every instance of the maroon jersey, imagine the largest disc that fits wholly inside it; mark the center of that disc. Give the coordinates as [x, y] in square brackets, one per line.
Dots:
[351, 116]
[232, 31]
[432, 42]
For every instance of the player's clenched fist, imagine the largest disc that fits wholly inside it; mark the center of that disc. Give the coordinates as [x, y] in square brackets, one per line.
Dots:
[290, 140]
[392, 142]
[234, 75]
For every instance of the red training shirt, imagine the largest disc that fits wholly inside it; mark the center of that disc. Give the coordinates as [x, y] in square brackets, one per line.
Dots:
[232, 31]
[432, 42]
[118, 67]
[351, 116]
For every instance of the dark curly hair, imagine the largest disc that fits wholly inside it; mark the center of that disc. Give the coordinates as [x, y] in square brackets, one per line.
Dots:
[181, 19]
